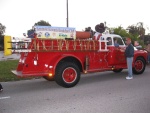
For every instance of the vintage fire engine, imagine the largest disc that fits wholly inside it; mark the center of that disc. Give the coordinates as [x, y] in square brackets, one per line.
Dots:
[62, 54]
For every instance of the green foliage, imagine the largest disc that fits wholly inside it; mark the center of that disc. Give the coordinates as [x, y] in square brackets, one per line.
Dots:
[137, 29]
[42, 23]
[1, 43]
[124, 34]
[5, 70]
[138, 32]
[2, 29]
[39, 23]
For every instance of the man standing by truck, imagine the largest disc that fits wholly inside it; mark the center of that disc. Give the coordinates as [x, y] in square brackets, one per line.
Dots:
[129, 53]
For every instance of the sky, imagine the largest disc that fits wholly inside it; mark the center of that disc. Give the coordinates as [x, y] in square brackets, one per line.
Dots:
[20, 15]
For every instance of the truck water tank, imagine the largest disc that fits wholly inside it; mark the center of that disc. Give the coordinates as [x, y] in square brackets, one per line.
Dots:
[82, 35]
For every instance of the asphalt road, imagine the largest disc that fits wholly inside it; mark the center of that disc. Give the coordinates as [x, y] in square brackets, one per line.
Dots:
[104, 92]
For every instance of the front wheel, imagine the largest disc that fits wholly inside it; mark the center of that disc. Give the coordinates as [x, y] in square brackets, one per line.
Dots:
[67, 74]
[139, 66]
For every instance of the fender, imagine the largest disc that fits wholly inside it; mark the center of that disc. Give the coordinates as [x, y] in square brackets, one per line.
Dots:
[54, 62]
[139, 53]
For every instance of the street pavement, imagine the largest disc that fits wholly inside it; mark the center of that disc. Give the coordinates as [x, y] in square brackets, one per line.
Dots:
[10, 57]
[104, 92]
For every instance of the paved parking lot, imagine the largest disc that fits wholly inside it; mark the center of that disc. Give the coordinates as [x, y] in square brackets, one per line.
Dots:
[10, 57]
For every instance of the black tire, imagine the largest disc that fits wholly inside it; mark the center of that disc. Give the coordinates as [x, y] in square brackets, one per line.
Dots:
[117, 70]
[48, 78]
[67, 74]
[139, 66]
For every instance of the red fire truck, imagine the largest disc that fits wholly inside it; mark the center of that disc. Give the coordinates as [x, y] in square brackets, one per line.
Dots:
[64, 59]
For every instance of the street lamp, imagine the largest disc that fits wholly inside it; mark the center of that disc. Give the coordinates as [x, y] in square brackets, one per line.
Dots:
[67, 14]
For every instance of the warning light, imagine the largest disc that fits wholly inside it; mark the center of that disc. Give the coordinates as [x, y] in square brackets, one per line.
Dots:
[50, 74]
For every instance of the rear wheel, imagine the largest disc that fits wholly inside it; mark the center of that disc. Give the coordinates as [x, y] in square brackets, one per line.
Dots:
[139, 66]
[67, 74]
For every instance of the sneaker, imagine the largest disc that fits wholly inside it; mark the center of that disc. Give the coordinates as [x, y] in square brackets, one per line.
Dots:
[1, 90]
[129, 78]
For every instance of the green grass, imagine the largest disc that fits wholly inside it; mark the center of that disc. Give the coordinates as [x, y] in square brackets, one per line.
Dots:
[5, 70]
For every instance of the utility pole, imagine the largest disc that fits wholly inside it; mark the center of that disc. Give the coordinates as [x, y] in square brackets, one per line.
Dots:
[67, 14]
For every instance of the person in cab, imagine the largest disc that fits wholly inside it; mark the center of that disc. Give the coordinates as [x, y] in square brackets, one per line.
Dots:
[116, 43]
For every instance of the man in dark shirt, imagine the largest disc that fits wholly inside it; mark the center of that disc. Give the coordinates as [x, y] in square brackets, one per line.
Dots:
[129, 53]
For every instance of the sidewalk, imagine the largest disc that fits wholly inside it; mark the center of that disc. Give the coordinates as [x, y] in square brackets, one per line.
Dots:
[10, 57]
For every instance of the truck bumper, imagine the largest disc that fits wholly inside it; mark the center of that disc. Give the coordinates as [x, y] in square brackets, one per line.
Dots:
[20, 74]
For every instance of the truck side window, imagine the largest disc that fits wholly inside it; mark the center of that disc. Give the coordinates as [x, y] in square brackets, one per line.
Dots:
[109, 41]
[116, 44]
[119, 40]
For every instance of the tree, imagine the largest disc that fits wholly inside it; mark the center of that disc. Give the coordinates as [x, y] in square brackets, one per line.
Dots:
[132, 33]
[137, 29]
[2, 31]
[1, 42]
[40, 23]
[121, 31]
